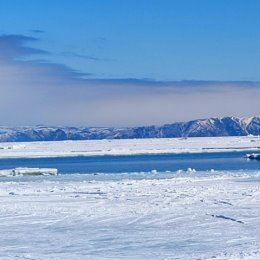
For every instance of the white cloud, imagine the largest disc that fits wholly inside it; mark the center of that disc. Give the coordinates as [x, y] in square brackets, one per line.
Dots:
[40, 92]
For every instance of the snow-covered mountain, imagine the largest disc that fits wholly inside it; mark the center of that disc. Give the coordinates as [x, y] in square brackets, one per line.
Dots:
[226, 126]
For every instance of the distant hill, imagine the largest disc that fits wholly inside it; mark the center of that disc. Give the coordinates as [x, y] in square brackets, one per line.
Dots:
[226, 126]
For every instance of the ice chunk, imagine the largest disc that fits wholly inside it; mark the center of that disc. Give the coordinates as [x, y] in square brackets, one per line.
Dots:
[35, 171]
[253, 156]
[28, 172]
[5, 173]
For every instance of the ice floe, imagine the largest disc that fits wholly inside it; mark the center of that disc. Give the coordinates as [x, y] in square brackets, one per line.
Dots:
[253, 156]
[28, 172]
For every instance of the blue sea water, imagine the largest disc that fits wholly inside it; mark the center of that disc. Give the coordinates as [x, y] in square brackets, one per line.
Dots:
[224, 161]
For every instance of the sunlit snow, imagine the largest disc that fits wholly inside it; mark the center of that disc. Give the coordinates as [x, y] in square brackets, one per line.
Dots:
[198, 216]
[159, 216]
[129, 146]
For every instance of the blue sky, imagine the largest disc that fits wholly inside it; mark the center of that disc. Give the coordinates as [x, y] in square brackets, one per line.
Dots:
[123, 62]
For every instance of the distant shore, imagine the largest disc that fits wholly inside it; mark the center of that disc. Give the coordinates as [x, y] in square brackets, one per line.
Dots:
[128, 147]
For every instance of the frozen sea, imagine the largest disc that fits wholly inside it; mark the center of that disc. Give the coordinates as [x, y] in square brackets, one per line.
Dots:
[133, 207]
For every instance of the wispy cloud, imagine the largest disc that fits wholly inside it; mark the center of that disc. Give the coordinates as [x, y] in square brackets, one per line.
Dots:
[37, 31]
[14, 46]
[83, 56]
[37, 91]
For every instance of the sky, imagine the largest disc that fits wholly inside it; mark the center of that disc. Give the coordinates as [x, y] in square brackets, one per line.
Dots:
[128, 62]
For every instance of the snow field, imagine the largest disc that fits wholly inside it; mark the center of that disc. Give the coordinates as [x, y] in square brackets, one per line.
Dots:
[129, 146]
[213, 217]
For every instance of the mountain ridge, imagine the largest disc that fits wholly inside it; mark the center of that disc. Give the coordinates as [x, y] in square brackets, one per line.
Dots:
[224, 126]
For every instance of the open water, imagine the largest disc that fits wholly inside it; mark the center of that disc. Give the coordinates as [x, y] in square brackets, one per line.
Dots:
[224, 161]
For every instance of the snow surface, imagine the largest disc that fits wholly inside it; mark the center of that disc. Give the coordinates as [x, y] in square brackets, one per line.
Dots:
[190, 216]
[129, 146]
[159, 216]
